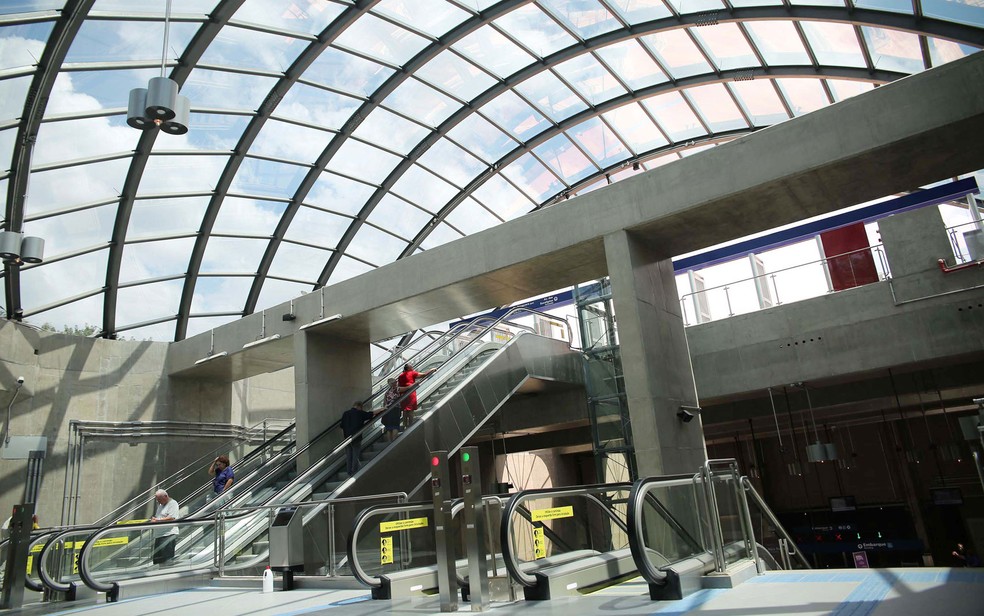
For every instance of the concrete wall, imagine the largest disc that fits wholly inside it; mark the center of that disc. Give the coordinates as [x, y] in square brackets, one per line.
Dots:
[74, 378]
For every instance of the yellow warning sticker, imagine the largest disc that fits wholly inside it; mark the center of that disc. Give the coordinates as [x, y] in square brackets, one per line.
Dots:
[111, 541]
[538, 515]
[132, 521]
[388, 527]
[539, 545]
[37, 548]
[385, 550]
[75, 563]
[30, 561]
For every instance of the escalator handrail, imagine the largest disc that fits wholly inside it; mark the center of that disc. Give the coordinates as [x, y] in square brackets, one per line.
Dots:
[748, 488]
[42, 556]
[637, 546]
[399, 349]
[353, 557]
[35, 537]
[505, 536]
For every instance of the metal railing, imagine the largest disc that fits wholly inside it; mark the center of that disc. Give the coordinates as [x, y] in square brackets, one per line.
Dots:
[958, 242]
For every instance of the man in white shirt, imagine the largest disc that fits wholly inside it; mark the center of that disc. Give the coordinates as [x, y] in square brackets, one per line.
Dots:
[167, 510]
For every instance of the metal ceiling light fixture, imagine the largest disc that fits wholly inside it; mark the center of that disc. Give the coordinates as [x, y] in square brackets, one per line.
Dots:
[159, 105]
[16, 249]
[817, 452]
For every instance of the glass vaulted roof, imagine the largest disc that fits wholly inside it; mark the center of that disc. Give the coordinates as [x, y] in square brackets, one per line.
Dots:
[331, 137]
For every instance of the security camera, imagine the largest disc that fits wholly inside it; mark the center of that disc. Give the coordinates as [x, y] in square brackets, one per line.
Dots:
[20, 380]
[686, 414]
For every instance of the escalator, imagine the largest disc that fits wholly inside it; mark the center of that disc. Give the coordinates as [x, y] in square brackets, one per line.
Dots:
[481, 372]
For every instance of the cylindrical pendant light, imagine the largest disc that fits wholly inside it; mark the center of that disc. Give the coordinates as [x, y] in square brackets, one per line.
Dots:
[10, 244]
[32, 249]
[179, 124]
[162, 95]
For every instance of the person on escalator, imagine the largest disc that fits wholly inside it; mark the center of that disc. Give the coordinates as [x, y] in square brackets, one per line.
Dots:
[391, 416]
[408, 378]
[222, 474]
[164, 540]
[352, 422]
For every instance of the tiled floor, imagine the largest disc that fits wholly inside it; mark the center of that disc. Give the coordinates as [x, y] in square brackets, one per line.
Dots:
[847, 592]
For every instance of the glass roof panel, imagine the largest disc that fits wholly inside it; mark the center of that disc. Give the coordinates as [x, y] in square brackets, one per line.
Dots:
[74, 230]
[57, 280]
[276, 292]
[87, 311]
[778, 42]
[224, 90]
[343, 71]
[745, 3]
[314, 226]
[894, 6]
[267, 178]
[442, 234]
[381, 40]
[694, 6]
[316, 106]
[7, 139]
[290, 141]
[13, 93]
[832, 43]
[962, 11]
[434, 17]
[760, 101]
[199, 325]
[804, 95]
[398, 217]
[339, 194]
[599, 183]
[154, 217]
[514, 115]
[470, 217]
[161, 332]
[305, 17]
[220, 293]
[299, 262]
[81, 91]
[26, 6]
[677, 53]
[632, 64]
[587, 17]
[206, 131]
[536, 31]
[452, 163]
[942, 51]
[421, 102]
[61, 188]
[491, 50]
[455, 75]
[241, 216]
[565, 159]
[348, 268]
[78, 139]
[551, 96]
[502, 198]
[425, 189]
[155, 259]
[122, 41]
[155, 8]
[726, 46]
[22, 45]
[482, 137]
[893, 50]
[599, 142]
[181, 174]
[843, 88]
[635, 128]
[391, 131]
[674, 115]
[232, 255]
[820, 2]
[147, 302]
[533, 178]
[363, 162]
[590, 79]
[243, 48]
[716, 107]
[638, 11]
[375, 246]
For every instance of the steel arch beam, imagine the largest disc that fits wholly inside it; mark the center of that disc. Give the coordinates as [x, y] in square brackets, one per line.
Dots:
[943, 29]
[35, 104]
[266, 109]
[774, 72]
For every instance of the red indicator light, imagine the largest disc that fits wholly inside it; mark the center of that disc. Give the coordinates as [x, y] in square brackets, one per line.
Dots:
[435, 461]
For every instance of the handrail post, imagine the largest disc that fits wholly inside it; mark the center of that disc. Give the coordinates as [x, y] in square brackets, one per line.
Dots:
[220, 540]
[747, 528]
[331, 539]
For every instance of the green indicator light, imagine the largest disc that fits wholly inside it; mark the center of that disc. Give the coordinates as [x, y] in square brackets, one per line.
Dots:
[466, 456]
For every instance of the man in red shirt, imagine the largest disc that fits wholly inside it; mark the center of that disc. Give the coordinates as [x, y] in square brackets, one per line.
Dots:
[406, 381]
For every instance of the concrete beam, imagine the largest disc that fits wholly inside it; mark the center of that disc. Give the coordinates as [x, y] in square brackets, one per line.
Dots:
[895, 138]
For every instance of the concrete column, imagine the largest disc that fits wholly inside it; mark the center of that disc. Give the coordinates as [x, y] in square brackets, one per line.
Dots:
[655, 358]
[329, 374]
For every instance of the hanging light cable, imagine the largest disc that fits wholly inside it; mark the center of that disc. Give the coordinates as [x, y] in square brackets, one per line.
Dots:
[159, 105]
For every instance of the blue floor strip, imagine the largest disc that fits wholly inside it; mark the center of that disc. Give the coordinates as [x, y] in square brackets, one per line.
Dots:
[690, 602]
[328, 606]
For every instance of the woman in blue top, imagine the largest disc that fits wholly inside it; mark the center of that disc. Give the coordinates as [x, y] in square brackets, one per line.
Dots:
[222, 473]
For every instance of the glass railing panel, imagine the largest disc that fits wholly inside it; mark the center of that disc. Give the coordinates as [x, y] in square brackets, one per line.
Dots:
[60, 559]
[728, 504]
[395, 541]
[671, 524]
